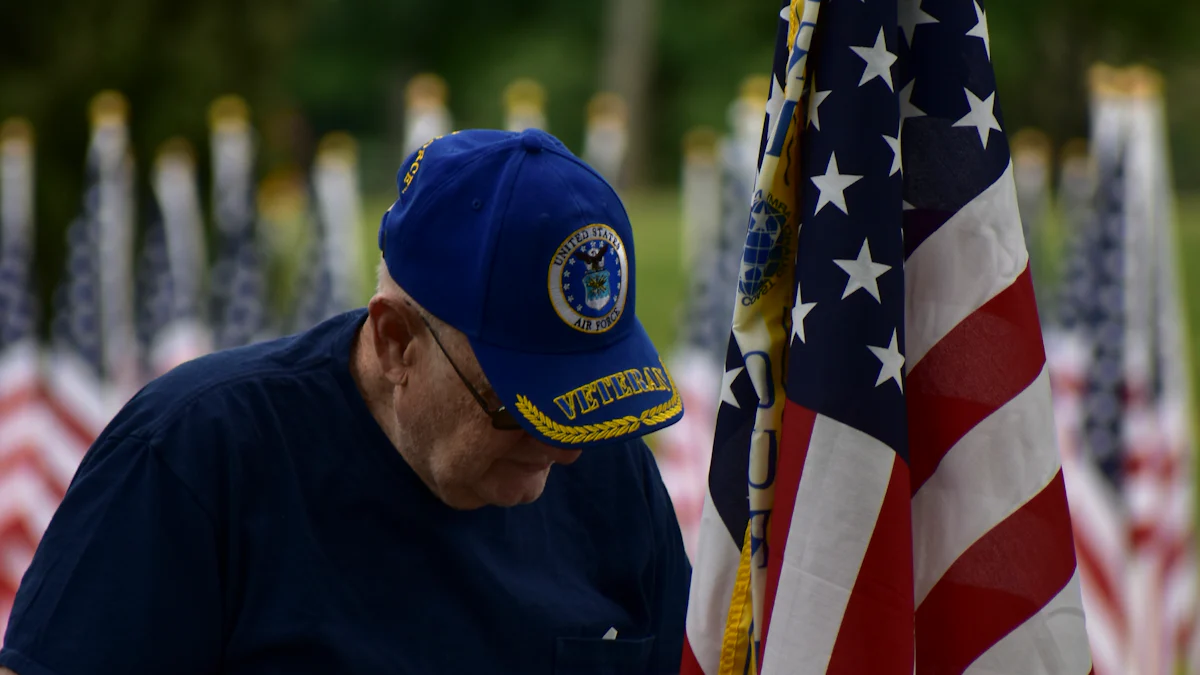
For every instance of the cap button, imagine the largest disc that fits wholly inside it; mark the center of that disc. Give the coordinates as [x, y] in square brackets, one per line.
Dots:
[531, 141]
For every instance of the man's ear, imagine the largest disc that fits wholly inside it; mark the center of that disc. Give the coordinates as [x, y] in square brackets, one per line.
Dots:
[395, 326]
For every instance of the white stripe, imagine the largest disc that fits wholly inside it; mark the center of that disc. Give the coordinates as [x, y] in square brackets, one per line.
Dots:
[35, 426]
[1180, 592]
[1097, 515]
[18, 367]
[841, 490]
[998, 466]
[1108, 652]
[969, 260]
[178, 342]
[713, 576]
[72, 385]
[1046, 644]
[25, 497]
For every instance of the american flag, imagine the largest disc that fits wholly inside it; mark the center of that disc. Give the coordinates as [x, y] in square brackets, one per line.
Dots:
[1122, 391]
[885, 493]
[24, 497]
[331, 271]
[171, 327]
[1089, 402]
[50, 408]
[238, 286]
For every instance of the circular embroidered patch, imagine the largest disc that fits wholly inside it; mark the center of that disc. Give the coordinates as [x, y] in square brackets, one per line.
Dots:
[587, 279]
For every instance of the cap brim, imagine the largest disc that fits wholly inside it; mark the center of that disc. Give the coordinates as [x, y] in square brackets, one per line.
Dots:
[585, 399]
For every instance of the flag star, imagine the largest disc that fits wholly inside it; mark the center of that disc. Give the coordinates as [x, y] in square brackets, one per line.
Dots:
[897, 157]
[982, 116]
[911, 16]
[799, 312]
[879, 61]
[833, 186]
[570, 298]
[815, 99]
[907, 109]
[566, 273]
[727, 386]
[864, 273]
[891, 363]
[567, 285]
[775, 103]
[980, 30]
[578, 308]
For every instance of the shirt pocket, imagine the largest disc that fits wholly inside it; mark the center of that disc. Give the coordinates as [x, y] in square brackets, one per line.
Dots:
[597, 656]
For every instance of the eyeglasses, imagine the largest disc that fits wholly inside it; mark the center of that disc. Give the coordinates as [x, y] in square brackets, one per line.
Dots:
[501, 418]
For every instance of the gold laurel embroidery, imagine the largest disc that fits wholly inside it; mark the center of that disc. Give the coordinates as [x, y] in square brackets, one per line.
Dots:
[598, 431]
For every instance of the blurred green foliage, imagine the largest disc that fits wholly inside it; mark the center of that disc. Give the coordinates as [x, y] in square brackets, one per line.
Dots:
[310, 66]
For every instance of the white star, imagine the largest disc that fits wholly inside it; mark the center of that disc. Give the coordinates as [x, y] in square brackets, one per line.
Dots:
[578, 308]
[774, 104]
[879, 61]
[911, 16]
[833, 186]
[727, 386]
[815, 99]
[897, 163]
[980, 30]
[570, 298]
[799, 311]
[566, 273]
[907, 109]
[864, 273]
[982, 116]
[891, 363]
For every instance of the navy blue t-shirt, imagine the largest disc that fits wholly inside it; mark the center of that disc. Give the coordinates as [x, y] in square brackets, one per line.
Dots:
[246, 514]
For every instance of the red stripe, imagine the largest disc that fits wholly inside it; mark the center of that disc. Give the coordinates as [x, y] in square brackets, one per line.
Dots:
[876, 635]
[39, 392]
[986, 360]
[29, 455]
[1102, 582]
[68, 419]
[688, 664]
[795, 434]
[18, 398]
[1006, 577]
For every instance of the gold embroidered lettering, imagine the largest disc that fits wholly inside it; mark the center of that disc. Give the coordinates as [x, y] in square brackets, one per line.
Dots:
[660, 379]
[623, 388]
[566, 403]
[606, 390]
[635, 378]
[588, 393]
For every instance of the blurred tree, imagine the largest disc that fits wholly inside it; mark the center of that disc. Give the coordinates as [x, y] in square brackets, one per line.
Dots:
[311, 66]
[170, 59]
[626, 65]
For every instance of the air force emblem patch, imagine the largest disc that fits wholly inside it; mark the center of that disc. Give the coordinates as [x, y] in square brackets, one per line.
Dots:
[587, 279]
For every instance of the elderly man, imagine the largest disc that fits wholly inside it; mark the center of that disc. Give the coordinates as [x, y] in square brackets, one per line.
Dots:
[449, 481]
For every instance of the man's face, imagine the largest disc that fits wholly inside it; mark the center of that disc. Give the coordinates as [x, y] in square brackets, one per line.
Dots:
[449, 440]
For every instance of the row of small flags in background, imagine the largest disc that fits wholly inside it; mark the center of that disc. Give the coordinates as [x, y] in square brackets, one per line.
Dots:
[129, 306]
[606, 134]
[1116, 344]
[124, 313]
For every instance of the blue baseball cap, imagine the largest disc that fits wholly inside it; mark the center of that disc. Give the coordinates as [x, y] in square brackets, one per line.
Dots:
[517, 243]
